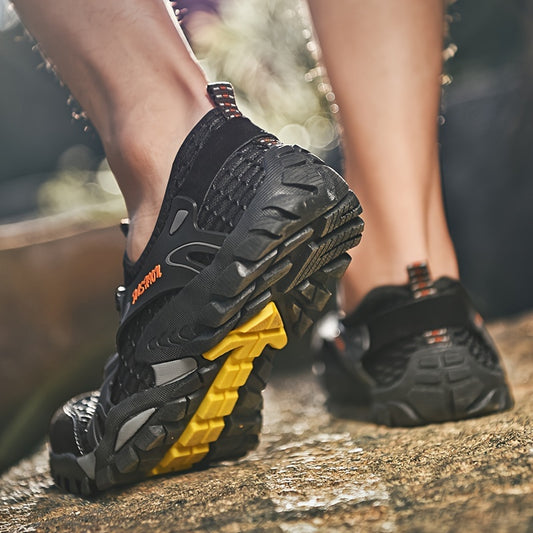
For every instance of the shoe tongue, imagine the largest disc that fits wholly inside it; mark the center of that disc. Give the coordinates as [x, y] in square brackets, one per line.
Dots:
[222, 96]
[125, 226]
[420, 280]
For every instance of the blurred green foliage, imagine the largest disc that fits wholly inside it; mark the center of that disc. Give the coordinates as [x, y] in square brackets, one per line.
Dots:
[266, 50]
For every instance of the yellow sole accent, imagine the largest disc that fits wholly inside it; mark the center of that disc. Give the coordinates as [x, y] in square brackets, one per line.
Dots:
[245, 344]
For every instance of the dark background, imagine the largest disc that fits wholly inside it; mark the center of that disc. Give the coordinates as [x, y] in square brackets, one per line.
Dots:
[486, 143]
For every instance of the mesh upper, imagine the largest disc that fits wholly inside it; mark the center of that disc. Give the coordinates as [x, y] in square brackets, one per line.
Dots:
[227, 198]
[233, 188]
[388, 364]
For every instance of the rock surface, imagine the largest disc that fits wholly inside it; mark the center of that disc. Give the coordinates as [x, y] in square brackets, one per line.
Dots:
[313, 473]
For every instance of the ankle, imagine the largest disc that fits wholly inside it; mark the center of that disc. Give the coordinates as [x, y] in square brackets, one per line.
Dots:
[141, 227]
[364, 276]
[367, 272]
[141, 153]
[142, 145]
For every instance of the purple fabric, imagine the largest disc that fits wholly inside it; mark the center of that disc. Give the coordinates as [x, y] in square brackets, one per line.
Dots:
[190, 6]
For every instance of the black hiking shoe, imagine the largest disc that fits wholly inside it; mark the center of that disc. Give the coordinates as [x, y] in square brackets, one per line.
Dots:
[249, 234]
[412, 355]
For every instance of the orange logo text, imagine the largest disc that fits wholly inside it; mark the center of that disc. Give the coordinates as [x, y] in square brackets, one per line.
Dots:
[148, 280]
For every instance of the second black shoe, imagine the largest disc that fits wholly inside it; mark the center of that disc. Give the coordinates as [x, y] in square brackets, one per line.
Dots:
[410, 355]
[249, 234]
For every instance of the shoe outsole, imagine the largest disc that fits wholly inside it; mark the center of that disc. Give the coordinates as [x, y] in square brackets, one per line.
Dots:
[286, 250]
[440, 384]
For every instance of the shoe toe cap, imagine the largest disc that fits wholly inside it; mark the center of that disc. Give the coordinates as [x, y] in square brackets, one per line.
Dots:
[69, 422]
[62, 433]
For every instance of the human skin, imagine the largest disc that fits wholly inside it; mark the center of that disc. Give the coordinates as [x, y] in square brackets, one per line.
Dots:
[384, 62]
[131, 69]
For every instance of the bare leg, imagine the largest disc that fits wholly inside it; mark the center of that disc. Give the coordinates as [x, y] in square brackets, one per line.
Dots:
[384, 61]
[133, 73]
[201, 304]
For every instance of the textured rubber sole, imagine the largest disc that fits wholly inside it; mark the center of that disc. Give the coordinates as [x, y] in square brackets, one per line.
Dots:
[440, 384]
[242, 345]
[268, 281]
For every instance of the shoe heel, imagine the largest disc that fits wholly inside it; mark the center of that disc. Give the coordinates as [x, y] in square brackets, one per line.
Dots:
[321, 262]
[218, 408]
[304, 304]
[243, 426]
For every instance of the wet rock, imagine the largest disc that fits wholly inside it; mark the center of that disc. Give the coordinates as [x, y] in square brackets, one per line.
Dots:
[314, 473]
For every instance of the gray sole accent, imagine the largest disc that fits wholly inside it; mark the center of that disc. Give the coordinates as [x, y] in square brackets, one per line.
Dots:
[132, 426]
[88, 464]
[180, 216]
[170, 371]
